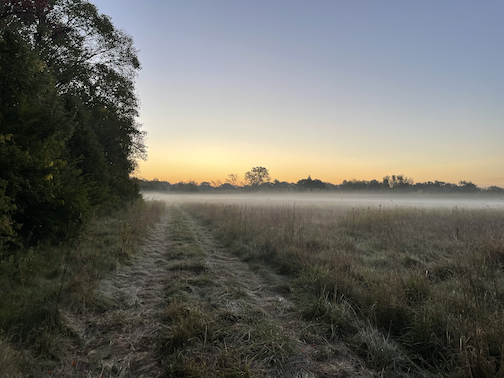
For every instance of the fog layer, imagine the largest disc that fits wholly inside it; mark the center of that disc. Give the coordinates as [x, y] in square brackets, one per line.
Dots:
[343, 199]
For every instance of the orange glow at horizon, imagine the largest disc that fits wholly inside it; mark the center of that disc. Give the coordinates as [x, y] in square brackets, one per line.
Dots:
[215, 164]
[359, 91]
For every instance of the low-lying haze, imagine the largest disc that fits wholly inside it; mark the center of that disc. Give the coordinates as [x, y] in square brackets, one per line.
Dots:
[339, 199]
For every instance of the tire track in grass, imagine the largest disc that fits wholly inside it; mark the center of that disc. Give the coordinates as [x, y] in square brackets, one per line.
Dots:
[224, 319]
[121, 341]
[187, 308]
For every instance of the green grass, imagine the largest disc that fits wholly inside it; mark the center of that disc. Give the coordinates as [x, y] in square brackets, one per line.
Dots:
[213, 331]
[413, 291]
[40, 284]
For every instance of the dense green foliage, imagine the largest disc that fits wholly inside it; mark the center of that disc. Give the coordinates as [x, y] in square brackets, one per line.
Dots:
[68, 135]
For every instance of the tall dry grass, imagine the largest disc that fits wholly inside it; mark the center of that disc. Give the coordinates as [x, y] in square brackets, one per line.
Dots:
[416, 291]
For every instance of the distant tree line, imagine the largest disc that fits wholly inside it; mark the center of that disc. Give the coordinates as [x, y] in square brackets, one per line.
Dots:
[258, 179]
[68, 136]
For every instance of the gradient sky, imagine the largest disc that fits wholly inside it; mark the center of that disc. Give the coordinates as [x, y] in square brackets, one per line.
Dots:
[332, 89]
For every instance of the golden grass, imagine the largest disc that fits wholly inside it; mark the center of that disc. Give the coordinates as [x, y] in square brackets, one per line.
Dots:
[426, 285]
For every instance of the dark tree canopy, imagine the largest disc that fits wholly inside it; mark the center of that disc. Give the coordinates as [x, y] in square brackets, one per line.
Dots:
[257, 176]
[309, 184]
[69, 139]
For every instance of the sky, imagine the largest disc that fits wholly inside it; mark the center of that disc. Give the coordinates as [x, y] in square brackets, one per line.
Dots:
[334, 89]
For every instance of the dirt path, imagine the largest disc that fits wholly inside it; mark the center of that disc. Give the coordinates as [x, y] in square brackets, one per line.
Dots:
[254, 322]
[120, 342]
[261, 290]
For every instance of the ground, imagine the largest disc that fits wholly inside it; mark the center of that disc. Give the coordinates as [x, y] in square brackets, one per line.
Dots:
[246, 314]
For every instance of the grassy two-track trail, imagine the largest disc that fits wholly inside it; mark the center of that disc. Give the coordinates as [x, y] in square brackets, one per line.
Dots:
[120, 341]
[186, 307]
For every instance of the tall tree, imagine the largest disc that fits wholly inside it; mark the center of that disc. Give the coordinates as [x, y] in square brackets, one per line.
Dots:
[44, 188]
[68, 132]
[95, 66]
[232, 179]
[257, 176]
[309, 184]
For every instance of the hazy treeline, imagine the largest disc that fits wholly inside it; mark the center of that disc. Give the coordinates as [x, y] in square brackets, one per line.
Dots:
[397, 183]
[68, 135]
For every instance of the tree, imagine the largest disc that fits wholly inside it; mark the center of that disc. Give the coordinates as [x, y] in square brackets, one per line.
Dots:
[216, 183]
[257, 176]
[95, 66]
[354, 184]
[397, 182]
[495, 189]
[205, 186]
[468, 187]
[281, 185]
[232, 179]
[309, 184]
[374, 185]
[69, 140]
[226, 186]
[190, 186]
[43, 185]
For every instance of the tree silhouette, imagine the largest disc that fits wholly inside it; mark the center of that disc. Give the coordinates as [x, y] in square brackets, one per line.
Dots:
[69, 139]
[257, 176]
[232, 179]
[309, 184]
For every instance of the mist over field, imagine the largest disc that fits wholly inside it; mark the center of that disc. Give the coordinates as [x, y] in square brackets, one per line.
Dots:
[268, 228]
[342, 199]
[412, 283]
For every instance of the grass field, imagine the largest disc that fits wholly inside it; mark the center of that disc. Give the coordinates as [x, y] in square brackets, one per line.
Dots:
[206, 335]
[41, 285]
[413, 291]
[322, 290]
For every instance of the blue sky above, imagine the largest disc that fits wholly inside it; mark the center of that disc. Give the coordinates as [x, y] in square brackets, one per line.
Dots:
[332, 89]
